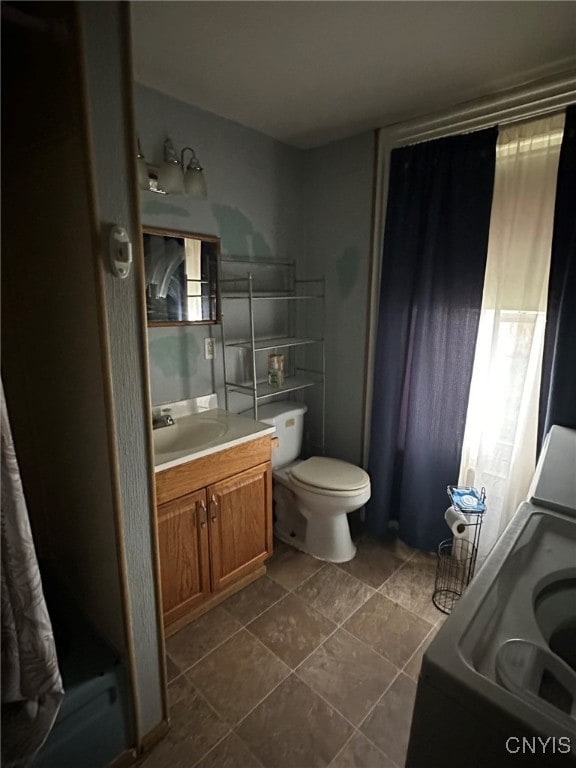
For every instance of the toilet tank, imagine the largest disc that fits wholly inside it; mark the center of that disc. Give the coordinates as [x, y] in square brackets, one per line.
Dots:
[288, 420]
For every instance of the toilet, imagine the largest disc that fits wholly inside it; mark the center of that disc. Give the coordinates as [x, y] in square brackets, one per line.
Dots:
[312, 497]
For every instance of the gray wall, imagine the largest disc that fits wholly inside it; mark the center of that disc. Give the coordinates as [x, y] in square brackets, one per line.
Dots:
[338, 183]
[267, 199]
[253, 205]
[106, 72]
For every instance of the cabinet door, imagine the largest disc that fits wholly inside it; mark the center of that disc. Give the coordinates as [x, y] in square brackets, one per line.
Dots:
[240, 511]
[183, 544]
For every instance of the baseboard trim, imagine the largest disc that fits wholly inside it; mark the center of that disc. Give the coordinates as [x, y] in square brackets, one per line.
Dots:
[152, 738]
[124, 759]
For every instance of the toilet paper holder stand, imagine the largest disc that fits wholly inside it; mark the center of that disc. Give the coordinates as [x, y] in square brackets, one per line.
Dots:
[457, 555]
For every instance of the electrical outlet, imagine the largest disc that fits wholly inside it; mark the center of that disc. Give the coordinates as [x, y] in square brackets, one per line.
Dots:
[208, 348]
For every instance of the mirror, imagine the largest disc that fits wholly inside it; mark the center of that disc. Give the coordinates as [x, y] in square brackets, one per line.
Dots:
[181, 277]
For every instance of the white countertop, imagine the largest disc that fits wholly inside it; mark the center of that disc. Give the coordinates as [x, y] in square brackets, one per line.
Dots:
[236, 430]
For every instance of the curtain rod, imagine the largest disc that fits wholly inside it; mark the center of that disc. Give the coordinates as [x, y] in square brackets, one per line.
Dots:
[538, 98]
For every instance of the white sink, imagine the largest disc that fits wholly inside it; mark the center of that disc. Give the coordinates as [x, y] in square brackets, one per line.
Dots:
[199, 434]
[190, 433]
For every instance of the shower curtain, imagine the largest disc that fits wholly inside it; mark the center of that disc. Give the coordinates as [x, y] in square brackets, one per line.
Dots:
[434, 257]
[557, 394]
[499, 448]
[31, 684]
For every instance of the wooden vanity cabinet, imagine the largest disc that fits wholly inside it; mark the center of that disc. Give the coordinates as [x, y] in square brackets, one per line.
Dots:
[184, 554]
[214, 528]
[238, 525]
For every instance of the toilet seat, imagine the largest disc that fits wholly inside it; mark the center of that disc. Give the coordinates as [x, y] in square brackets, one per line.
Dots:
[329, 477]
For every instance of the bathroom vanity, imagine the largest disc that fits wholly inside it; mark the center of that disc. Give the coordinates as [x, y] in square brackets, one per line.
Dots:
[214, 508]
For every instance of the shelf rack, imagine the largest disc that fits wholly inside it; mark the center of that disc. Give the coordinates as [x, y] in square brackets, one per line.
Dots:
[242, 288]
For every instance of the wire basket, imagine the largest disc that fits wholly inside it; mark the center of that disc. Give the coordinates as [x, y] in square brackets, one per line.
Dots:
[454, 571]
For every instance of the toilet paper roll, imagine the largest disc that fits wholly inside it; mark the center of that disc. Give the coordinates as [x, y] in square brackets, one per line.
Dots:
[459, 549]
[456, 521]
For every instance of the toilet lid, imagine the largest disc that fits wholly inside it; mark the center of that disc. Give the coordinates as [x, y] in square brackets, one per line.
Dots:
[332, 474]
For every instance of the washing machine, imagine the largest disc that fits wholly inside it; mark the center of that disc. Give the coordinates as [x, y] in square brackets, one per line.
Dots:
[497, 686]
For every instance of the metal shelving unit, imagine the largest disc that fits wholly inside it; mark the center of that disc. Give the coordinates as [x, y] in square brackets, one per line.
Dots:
[259, 343]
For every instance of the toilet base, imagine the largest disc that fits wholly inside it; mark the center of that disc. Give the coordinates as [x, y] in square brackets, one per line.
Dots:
[329, 538]
[289, 538]
[323, 536]
[332, 546]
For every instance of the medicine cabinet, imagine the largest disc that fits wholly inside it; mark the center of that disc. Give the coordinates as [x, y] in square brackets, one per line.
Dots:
[182, 284]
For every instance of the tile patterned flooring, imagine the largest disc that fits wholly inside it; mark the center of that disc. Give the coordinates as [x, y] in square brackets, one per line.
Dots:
[312, 666]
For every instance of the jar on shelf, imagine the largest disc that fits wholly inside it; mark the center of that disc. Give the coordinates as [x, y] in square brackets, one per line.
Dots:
[276, 376]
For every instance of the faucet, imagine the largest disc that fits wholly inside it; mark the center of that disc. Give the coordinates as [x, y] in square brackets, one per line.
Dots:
[162, 419]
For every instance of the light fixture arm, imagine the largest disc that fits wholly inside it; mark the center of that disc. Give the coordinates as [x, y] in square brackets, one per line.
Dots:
[194, 162]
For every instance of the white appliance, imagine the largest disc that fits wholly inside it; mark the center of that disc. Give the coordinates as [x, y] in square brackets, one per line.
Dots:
[498, 683]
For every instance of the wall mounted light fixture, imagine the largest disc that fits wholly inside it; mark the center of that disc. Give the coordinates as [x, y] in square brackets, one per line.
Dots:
[172, 178]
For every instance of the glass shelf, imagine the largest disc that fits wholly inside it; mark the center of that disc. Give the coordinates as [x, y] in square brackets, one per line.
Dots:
[263, 389]
[261, 345]
[257, 261]
[268, 295]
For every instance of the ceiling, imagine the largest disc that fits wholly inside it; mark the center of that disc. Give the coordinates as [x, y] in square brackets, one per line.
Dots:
[307, 73]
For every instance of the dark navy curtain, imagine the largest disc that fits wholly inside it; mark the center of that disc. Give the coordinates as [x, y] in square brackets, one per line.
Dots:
[558, 388]
[435, 247]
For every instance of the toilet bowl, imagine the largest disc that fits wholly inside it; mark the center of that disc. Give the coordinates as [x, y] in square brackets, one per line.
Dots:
[323, 491]
[312, 497]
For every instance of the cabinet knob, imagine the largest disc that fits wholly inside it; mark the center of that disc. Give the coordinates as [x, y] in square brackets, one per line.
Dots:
[214, 508]
[201, 507]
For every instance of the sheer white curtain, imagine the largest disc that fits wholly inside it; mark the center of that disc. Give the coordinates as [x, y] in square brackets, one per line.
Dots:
[499, 450]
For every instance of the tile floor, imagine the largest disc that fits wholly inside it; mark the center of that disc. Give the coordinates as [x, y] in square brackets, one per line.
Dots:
[313, 665]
